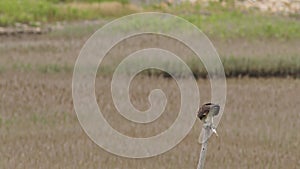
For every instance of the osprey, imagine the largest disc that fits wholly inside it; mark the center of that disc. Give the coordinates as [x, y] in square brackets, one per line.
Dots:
[208, 110]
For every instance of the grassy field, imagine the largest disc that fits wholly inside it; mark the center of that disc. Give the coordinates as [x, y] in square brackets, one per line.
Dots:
[214, 19]
[240, 57]
[262, 45]
[47, 11]
[40, 129]
[259, 128]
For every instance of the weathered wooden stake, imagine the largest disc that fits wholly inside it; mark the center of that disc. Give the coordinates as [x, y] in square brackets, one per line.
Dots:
[207, 129]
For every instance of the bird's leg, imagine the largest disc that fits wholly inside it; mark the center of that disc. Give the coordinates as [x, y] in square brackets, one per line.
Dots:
[209, 126]
[213, 128]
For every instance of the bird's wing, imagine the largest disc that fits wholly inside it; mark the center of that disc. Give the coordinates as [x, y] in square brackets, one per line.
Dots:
[203, 112]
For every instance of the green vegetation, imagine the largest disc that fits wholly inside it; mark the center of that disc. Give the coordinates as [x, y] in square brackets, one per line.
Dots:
[63, 1]
[45, 68]
[54, 68]
[246, 66]
[2, 69]
[22, 67]
[233, 66]
[30, 11]
[80, 30]
[38, 118]
[262, 67]
[26, 11]
[228, 22]
[233, 24]
[214, 19]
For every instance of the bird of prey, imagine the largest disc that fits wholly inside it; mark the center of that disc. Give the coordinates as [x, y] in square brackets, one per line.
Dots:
[206, 114]
[207, 111]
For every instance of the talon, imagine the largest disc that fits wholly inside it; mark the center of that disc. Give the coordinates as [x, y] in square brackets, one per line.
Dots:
[214, 131]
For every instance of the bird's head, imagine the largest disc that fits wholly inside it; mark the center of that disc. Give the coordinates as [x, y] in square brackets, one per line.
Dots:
[208, 109]
[214, 109]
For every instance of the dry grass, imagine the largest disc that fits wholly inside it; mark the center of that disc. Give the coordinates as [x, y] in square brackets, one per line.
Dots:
[39, 128]
[105, 9]
[58, 52]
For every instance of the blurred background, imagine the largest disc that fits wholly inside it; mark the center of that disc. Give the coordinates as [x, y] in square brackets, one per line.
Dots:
[257, 40]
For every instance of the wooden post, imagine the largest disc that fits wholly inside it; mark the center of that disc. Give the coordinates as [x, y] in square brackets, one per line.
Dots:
[207, 129]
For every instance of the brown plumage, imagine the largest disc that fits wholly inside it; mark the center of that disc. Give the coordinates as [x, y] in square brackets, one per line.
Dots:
[208, 109]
